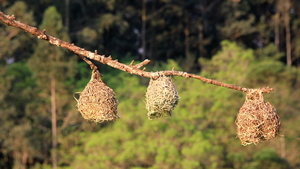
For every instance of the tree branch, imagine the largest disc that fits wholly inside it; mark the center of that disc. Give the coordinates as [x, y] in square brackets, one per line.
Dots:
[131, 68]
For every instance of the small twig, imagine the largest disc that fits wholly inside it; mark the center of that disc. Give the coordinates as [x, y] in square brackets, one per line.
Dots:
[131, 63]
[132, 69]
[92, 65]
[139, 65]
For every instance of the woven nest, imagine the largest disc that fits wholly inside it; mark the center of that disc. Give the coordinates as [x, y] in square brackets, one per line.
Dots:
[257, 120]
[97, 101]
[161, 97]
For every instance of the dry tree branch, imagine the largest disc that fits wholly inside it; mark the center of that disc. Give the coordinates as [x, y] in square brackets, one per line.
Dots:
[131, 68]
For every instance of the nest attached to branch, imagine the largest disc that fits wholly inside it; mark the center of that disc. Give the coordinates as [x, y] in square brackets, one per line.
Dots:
[257, 120]
[161, 97]
[97, 101]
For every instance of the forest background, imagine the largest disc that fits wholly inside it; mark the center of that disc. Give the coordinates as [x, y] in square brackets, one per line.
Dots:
[249, 43]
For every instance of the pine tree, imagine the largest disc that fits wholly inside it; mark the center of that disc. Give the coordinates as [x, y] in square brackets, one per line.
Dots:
[17, 87]
[51, 68]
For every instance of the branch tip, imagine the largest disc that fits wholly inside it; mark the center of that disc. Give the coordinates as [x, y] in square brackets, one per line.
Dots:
[139, 65]
[11, 17]
[131, 63]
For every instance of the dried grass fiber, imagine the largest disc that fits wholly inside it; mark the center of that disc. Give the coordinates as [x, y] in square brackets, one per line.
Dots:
[257, 120]
[161, 97]
[97, 101]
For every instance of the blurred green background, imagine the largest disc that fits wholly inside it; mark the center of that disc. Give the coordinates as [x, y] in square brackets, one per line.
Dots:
[249, 43]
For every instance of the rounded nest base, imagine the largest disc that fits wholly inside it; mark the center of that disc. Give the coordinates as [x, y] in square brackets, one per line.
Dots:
[97, 101]
[257, 120]
[161, 97]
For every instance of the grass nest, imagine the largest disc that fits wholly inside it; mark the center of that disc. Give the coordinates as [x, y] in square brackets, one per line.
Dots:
[161, 97]
[257, 120]
[97, 102]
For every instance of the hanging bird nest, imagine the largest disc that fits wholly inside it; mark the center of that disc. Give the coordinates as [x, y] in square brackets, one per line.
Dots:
[161, 97]
[97, 101]
[257, 120]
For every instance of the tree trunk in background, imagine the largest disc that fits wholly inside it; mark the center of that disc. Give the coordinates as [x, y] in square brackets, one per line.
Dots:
[24, 158]
[18, 163]
[53, 121]
[144, 20]
[189, 58]
[287, 6]
[200, 39]
[67, 15]
[276, 30]
[187, 42]
[282, 147]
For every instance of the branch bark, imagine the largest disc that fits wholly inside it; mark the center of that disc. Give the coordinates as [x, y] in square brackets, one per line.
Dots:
[132, 69]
